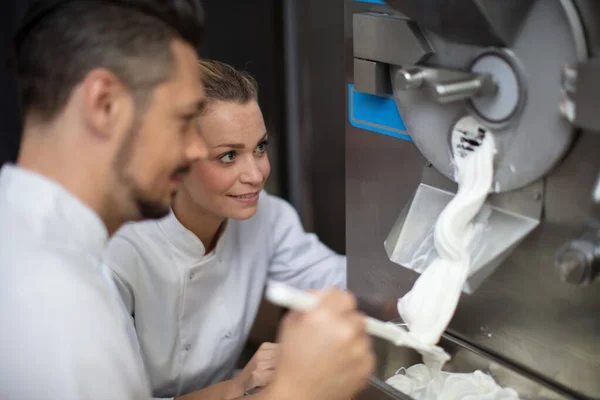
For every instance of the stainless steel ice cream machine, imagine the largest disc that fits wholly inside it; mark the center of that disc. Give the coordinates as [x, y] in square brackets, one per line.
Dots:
[530, 72]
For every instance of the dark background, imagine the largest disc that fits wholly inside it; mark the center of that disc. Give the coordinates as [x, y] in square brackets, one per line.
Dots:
[9, 119]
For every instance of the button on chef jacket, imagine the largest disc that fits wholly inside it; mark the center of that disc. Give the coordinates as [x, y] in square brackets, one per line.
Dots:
[63, 330]
[193, 311]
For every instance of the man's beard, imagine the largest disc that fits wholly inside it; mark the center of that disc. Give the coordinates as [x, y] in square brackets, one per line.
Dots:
[146, 206]
[151, 209]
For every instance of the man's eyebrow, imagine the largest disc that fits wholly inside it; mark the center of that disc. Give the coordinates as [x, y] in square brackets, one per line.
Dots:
[201, 105]
[196, 108]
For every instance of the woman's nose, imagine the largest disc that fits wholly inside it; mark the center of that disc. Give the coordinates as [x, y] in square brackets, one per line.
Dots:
[252, 173]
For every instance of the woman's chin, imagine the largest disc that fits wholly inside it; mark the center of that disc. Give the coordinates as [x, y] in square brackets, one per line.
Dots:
[241, 214]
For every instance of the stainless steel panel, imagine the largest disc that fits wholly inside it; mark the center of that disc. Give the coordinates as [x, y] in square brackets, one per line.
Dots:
[523, 312]
[482, 22]
[589, 10]
[587, 95]
[388, 39]
[372, 77]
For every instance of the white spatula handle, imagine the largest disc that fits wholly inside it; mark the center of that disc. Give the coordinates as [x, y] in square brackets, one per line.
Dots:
[287, 296]
[290, 297]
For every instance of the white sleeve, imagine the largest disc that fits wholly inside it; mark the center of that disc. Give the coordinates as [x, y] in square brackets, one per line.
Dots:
[300, 258]
[60, 338]
[123, 260]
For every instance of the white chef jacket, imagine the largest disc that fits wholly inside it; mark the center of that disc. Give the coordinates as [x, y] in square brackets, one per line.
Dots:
[193, 311]
[63, 330]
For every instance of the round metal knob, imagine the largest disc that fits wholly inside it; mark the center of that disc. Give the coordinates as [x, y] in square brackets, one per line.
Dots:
[571, 267]
[577, 261]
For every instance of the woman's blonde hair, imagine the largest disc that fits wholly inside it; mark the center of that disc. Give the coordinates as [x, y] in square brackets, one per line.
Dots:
[222, 82]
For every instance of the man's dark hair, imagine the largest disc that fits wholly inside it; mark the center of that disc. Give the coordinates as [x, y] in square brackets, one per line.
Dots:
[60, 41]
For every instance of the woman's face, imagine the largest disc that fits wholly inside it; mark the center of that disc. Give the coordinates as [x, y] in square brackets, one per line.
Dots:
[228, 182]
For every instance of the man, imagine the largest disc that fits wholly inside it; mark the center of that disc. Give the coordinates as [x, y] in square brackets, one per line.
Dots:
[110, 91]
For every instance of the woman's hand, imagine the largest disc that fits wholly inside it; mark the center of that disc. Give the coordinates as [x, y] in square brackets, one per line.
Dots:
[259, 371]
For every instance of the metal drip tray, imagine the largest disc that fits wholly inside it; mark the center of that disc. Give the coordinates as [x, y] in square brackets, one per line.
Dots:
[465, 359]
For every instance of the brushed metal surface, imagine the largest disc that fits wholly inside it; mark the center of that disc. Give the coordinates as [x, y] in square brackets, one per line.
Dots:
[465, 359]
[522, 312]
[379, 37]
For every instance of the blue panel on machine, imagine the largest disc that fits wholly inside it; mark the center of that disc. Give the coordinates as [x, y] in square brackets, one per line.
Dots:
[375, 113]
[371, 1]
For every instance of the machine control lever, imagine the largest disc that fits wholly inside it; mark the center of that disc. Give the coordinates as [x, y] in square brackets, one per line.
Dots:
[446, 85]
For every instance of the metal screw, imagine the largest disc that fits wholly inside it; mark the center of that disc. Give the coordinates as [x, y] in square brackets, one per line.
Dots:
[577, 261]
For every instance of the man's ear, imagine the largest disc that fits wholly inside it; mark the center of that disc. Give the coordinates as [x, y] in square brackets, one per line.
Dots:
[108, 105]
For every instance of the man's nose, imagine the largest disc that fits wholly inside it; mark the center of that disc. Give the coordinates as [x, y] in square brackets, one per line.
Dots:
[196, 148]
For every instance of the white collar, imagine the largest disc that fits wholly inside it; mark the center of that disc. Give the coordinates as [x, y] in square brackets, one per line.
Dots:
[187, 241]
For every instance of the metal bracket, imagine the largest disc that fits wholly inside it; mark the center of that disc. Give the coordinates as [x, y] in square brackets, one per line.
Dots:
[509, 218]
[581, 94]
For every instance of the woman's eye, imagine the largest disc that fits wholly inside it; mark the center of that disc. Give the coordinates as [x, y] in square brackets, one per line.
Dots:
[228, 158]
[261, 148]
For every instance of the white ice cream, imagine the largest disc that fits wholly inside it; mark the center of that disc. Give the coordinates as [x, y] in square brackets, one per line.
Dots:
[429, 306]
[423, 383]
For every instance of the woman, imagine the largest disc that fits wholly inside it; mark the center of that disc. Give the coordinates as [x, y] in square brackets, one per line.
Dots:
[193, 281]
